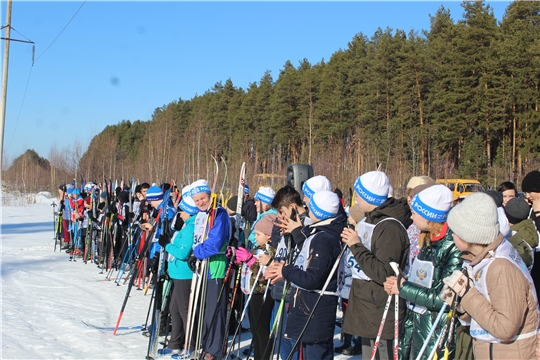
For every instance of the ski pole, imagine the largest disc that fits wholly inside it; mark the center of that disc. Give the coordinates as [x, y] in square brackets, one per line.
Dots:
[323, 290]
[379, 333]
[433, 327]
[244, 312]
[397, 271]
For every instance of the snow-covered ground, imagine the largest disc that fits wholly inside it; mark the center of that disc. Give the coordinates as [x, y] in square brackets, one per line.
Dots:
[53, 308]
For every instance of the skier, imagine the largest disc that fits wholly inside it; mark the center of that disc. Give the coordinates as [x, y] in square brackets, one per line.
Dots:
[500, 303]
[309, 273]
[212, 248]
[261, 304]
[383, 240]
[179, 249]
[437, 259]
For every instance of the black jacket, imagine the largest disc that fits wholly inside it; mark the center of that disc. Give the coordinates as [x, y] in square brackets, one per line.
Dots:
[389, 243]
[324, 250]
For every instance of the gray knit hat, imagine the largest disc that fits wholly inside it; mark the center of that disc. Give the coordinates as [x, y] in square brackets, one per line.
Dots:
[517, 210]
[475, 219]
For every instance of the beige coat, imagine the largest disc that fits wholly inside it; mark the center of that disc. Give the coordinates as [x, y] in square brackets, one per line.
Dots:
[512, 310]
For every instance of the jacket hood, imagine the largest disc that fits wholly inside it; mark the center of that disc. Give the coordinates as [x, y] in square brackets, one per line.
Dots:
[394, 208]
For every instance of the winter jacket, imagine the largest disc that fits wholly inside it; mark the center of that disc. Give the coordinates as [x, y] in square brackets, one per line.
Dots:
[262, 282]
[389, 243]
[445, 257]
[525, 239]
[535, 272]
[511, 310]
[180, 249]
[325, 247]
[213, 248]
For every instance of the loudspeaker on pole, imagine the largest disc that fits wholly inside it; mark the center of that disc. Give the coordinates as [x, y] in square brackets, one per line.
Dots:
[297, 174]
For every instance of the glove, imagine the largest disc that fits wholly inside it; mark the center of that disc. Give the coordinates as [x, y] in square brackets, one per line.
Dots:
[192, 262]
[458, 282]
[231, 252]
[179, 223]
[242, 255]
[164, 240]
[447, 295]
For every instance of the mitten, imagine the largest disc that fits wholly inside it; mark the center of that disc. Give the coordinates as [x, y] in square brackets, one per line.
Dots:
[192, 262]
[458, 282]
[164, 240]
[447, 295]
[179, 223]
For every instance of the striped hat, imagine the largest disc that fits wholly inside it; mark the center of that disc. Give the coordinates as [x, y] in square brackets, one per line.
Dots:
[373, 187]
[154, 193]
[265, 194]
[315, 184]
[324, 204]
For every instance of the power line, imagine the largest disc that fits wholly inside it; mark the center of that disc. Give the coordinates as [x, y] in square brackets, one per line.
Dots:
[32, 67]
[73, 17]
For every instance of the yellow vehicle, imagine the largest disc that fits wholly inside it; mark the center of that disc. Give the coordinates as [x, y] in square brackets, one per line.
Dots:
[461, 187]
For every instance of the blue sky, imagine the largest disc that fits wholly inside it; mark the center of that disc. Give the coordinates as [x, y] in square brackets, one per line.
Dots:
[122, 60]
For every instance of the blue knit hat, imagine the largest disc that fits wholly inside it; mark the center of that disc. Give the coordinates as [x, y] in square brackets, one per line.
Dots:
[246, 189]
[154, 194]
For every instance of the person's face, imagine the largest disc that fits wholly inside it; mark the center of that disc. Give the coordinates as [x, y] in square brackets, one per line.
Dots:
[421, 223]
[202, 200]
[143, 192]
[531, 196]
[508, 195]
[262, 239]
[286, 211]
[460, 244]
[139, 196]
[155, 203]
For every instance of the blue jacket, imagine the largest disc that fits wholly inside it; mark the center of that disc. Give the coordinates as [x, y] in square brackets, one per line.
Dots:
[180, 248]
[213, 248]
[324, 250]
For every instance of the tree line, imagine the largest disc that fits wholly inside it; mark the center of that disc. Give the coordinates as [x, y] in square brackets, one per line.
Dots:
[458, 100]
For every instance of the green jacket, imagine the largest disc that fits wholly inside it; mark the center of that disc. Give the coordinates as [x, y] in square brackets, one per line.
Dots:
[445, 258]
[524, 239]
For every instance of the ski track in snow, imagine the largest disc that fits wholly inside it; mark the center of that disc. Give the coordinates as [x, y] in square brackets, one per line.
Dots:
[46, 299]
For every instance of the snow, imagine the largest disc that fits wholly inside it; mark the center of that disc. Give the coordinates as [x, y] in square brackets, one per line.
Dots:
[53, 308]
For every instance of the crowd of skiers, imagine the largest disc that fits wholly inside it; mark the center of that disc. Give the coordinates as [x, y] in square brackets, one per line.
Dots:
[421, 277]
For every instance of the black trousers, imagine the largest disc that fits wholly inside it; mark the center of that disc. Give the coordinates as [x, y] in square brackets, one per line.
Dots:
[179, 314]
[260, 315]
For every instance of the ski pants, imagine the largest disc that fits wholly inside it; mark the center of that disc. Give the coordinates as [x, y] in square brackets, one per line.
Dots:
[260, 314]
[215, 314]
[179, 314]
[65, 226]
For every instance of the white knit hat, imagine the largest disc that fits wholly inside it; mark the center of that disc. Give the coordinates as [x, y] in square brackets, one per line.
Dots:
[475, 219]
[187, 204]
[373, 187]
[265, 194]
[200, 186]
[315, 184]
[433, 203]
[324, 204]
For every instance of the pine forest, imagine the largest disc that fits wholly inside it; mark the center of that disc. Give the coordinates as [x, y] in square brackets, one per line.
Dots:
[458, 100]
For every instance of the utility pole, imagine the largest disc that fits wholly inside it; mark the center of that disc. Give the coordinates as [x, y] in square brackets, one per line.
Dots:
[4, 83]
